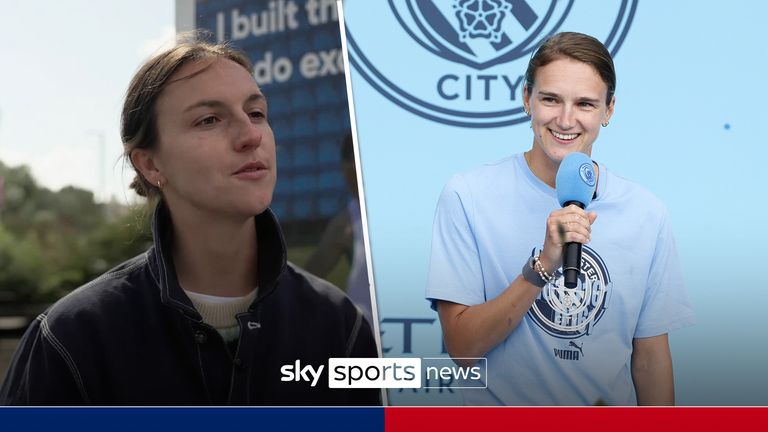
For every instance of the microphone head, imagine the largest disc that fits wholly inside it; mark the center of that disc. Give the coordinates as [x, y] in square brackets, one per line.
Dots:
[576, 179]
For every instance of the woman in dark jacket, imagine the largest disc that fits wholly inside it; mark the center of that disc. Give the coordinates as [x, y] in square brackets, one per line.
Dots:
[213, 311]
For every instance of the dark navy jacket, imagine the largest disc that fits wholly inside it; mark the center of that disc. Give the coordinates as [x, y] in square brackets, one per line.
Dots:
[132, 337]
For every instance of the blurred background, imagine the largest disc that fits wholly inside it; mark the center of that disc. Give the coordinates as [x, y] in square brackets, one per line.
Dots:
[66, 212]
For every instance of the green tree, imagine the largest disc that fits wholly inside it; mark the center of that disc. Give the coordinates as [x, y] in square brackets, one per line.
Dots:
[52, 242]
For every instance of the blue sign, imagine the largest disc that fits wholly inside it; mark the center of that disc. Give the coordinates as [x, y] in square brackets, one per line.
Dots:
[295, 47]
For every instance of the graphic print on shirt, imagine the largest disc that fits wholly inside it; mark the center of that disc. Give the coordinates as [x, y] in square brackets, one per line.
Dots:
[572, 351]
[570, 313]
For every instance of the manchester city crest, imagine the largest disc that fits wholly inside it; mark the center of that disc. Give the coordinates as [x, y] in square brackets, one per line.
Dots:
[569, 313]
[587, 173]
[461, 62]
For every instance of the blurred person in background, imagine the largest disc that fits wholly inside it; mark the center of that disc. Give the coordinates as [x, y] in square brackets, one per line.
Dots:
[343, 239]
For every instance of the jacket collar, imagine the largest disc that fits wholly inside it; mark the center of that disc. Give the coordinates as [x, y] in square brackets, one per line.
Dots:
[271, 259]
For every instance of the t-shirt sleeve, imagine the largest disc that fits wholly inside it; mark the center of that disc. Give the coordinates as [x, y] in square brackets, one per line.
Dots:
[455, 272]
[666, 305]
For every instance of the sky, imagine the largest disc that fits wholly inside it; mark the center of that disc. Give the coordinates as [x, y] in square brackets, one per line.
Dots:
[66, 66]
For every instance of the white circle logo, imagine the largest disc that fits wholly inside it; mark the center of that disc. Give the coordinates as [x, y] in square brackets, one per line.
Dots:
[587, 173]
[461, 62]
[569, 313]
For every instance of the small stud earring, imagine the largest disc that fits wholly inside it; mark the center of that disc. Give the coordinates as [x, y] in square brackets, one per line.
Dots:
[159, 184]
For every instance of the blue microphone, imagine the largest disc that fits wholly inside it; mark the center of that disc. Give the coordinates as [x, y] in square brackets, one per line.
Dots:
[575, 184]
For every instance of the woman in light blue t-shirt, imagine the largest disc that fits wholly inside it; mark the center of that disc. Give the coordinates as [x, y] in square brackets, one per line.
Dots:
[602, 342]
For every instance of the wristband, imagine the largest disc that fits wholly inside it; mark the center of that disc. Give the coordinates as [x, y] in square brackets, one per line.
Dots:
[530, 275]
[533, 271]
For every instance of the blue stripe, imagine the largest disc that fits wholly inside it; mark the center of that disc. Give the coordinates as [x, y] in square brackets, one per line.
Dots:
[192, 419]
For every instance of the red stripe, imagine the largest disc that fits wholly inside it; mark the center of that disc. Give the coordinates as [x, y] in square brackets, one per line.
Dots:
[591, 419]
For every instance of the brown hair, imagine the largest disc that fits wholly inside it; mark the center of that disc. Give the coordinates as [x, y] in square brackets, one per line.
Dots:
[576, 46]
[139, 120]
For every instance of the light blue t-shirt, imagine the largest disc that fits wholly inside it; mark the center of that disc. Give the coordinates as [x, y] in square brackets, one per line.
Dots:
[573, 347]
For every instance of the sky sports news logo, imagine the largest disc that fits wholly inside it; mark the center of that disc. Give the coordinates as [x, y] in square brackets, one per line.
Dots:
[462, 62]
[428, 372]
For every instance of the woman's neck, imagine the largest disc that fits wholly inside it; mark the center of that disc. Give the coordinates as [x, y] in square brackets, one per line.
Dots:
[542, 167]
[215, 258]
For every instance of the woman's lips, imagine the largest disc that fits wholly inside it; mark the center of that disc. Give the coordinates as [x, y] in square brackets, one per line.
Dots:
[563, 137]
[255, 170]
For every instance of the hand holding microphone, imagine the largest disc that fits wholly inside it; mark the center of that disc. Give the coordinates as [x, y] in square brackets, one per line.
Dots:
[570, 227]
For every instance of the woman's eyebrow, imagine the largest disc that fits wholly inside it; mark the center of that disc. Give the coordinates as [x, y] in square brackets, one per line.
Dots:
[256, 97]
[549, 94]
[208, 103]
[589, 99]
[214, 103]
[580, 99]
